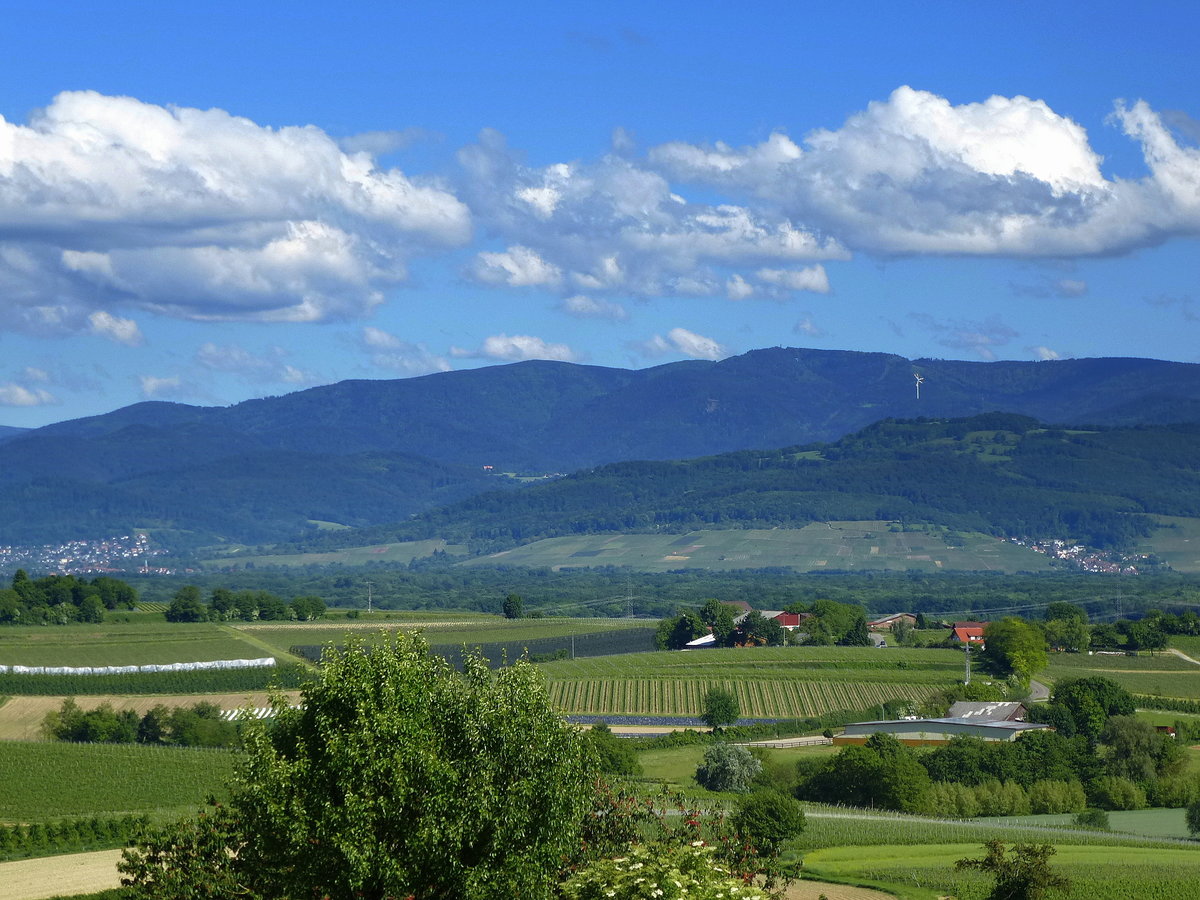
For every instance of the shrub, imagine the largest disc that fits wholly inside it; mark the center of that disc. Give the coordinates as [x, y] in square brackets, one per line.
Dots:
[1092, 818]
[768, 818]
[1173, 792]
[1111, 792]
[666, 872]
[727, 767]
[1048, 796]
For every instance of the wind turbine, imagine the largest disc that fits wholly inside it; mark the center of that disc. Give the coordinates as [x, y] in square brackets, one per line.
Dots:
[920, 381]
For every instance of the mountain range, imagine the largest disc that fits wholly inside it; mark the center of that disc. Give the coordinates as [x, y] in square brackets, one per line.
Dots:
[363, 453]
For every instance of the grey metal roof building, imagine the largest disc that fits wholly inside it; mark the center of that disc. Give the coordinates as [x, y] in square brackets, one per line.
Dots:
[932, 732]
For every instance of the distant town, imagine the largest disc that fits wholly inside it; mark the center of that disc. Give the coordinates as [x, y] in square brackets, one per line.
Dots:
[128, 553]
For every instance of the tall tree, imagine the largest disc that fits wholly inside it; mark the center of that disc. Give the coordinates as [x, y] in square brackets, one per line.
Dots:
[397, 776]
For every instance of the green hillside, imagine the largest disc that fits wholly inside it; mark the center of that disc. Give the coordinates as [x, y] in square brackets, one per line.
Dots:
[818, 547]
[994, 474]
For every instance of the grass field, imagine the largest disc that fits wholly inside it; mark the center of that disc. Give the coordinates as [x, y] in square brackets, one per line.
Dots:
[46, 781]
[1178, 544]
[853, 546]
[775, 682]
[1096, 872]
[1160, 675]
[404, 552]
[123, 644]
[1155, 823]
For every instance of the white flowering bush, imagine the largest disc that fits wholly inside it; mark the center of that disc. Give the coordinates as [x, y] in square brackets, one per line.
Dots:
[660, 872]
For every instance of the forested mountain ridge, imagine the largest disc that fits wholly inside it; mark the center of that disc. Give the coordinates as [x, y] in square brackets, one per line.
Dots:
[996, 473]
[370, 452]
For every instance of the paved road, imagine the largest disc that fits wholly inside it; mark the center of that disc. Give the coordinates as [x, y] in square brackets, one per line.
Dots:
[1038, 692]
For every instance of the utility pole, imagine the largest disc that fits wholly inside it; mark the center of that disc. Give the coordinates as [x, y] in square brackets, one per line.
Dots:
[967, 648]
[369, 584]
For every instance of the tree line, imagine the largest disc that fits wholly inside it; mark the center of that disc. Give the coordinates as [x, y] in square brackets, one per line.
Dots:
[62, 599]
[199, 725]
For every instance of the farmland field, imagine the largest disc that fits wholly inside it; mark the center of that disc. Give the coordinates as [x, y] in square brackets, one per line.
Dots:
[775, 682]
[45, 781]
[1178, 544]
[465, 629]
[21, 718]
[1096, 872]
[123, 644]
[403, 552]
[1160, 675]
[854, 546]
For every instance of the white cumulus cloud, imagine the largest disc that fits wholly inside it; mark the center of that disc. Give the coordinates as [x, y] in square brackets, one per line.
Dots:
[264, 368]
[387, 351]
[123, 331]
[583, 307]
[810, 278]
[13, 394]
[157, 386]
[684, 342]
[517, 347]
[200, 214]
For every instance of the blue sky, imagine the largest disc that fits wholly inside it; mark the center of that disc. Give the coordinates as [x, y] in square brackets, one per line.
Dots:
[211, 202]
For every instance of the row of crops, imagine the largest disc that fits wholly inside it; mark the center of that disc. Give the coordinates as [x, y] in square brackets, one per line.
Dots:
[757, 697]
[68, 836]
[46, 781]
[206, 681]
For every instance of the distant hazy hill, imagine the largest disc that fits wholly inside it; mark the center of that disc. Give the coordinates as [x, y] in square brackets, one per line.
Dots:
[996, 473]
[363, 452]
[7, 432]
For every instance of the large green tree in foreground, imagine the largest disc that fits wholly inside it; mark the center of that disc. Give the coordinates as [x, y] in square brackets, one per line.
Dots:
[396, 777]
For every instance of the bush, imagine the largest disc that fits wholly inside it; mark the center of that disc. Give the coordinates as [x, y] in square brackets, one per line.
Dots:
[1050, 796]
[998, 798]
[1173, 792]
[728, 767]
[666, 872]
[1092, 818]
[1111, 792]
[766, 819]
[951, 799]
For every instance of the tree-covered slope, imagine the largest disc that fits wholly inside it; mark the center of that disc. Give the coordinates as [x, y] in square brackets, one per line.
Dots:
[110, 473]
[995, 473]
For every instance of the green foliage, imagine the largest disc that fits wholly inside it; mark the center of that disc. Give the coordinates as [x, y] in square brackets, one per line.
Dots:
[187, 606]
[62, 599]
[1089, 702]
[1131, 748]
[1022, 872]
[1092, 818]
[767, 819]
[1014, 647]
[728, 767]
[1111, 792]
[664, 872]
[613, 755]
[881, 773]
[720, 708]
[1193, 817]
[675, 632]
[397, 775]
[68, 836]
[514, 606]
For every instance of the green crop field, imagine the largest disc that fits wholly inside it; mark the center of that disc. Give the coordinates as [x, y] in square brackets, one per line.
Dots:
[854, 546]
[470, 628]
[1154, 823]
[1096, 872]
[44, 781]
[1160, 675]
[1177, 544]
[775, 682]
[123, 644]
[402, 552]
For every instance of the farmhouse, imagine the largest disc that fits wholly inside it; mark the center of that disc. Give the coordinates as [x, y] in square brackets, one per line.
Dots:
[969, 632]
[934, 732]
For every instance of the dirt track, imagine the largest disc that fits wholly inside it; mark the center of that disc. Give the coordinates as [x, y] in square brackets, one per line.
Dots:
[53, 876]
[812, 890]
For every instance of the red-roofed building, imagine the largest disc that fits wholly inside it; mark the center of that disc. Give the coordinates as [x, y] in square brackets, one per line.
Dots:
[969, 632]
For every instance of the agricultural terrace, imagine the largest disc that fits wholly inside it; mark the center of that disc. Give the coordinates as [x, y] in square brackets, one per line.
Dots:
[42, 782]
[769, 682]
[844, 546]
